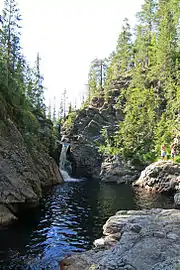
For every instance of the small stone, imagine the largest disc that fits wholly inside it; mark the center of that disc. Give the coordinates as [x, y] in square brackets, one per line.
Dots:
[172, 236]
[159, 234]
[99, 242]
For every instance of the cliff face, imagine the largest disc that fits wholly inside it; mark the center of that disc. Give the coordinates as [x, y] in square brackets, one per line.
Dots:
[22, 174]
[85, 132]
[85, 138]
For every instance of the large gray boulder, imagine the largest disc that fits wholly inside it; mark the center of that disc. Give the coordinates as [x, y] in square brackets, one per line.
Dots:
[22, 174]
[144, 239]
[115, 170]
[177, 200]
[161, 176]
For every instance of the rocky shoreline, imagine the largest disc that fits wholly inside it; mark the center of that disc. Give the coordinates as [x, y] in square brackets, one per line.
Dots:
[144, 239]
[23, 174]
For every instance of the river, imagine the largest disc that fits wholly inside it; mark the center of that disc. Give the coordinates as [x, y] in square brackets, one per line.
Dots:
[69, 219]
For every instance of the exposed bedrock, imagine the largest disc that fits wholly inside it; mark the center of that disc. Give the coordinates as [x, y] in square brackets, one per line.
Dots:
[144, 239]
[22, 174]
[161, 176]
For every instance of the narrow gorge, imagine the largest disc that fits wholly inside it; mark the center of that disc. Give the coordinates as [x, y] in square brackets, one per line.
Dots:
[90, 135]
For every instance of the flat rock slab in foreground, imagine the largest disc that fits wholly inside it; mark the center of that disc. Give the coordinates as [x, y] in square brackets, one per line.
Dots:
[144, 239]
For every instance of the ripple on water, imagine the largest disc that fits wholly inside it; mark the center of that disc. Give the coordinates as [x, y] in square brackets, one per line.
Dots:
[69, 220]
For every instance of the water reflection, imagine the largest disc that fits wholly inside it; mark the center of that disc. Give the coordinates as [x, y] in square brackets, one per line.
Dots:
[69, 219]
[148, 200]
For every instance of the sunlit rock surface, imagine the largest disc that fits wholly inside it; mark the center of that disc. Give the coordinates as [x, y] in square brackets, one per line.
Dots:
[22, 175]
[144, 239]
[161, 176]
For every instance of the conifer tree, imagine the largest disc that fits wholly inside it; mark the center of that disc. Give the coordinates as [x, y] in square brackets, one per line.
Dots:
[64, 102]
[10, 36]
[49, 110]
[97, 77]
[146, 31]
[60, 110]
[167, 42]
[54, 110]
[123, 57]
[39, 89]
[120, 61]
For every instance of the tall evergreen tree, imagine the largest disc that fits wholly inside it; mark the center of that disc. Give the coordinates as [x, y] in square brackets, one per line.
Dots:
[152, 99]
[120, 61]
[10, 36]
[123, 57]
[97, 76]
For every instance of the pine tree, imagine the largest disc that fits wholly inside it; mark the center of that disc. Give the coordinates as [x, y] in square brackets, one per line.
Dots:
[39, 90]
[137, 131]
[168, 37]
[49, 111]
[123, 57]
[120, 61]
[70, 109]
[146, 32]
[54, 110]
[10, 36]
[60, 110]
[64, 102]
[97, 77]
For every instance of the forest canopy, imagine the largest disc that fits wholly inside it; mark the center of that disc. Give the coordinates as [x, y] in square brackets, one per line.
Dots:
[148, 58]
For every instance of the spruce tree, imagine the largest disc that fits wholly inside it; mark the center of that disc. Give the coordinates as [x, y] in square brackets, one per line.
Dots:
[120, 61]
[97, 77]
[123, 56]
[10, 36]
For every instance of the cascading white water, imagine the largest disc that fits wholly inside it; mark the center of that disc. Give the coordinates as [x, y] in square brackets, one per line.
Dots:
[62, 161]
[64, 149]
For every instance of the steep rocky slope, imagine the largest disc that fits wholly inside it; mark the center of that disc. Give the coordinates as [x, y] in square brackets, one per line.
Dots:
[84, 134]
[23, 173]
[85, 138]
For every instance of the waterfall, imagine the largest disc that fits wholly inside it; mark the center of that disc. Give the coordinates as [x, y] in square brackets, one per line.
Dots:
[63, 161]
[65, 165]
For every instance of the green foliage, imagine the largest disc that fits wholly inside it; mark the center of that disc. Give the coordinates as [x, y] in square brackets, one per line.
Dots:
[97, 76]
[68, 124]
[107, 148]
[21, 88]
[120, 61]
[151, 102]
[136, 132]
[177, 159]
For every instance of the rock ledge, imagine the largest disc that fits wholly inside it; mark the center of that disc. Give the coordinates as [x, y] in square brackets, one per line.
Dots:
[144, 239]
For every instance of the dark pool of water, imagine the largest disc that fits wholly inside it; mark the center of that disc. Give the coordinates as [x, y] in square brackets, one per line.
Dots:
[69, 219]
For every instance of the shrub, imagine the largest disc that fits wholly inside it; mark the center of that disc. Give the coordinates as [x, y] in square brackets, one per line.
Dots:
[177, 159]
[70, 120]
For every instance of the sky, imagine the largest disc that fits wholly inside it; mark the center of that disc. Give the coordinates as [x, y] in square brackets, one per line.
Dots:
[69, 34]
